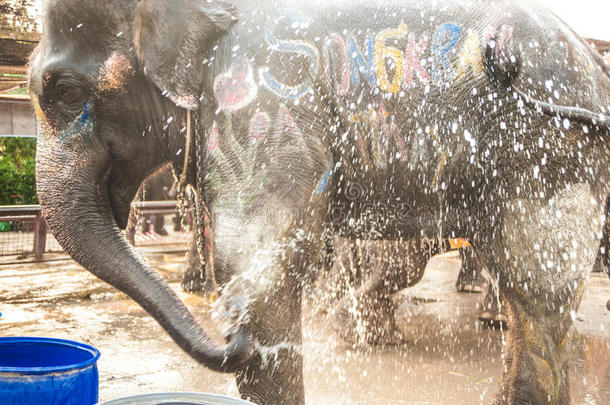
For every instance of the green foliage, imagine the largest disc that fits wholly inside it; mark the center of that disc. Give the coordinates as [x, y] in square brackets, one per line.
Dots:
[13, 75]
[17, 171]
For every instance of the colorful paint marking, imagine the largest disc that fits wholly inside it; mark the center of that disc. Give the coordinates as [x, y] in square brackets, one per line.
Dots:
[360, 64]
[259, 126]
[213, 140]
[383, 53]
[235, 88]
[285, 123]
[342, 88]
[37, 107]
[378, 129]
[86, 114]
[115, 73]
[296, 47]
[381, 61]
[413, 62]
[470, 55]
[324, 182]
[444, 40]
[401, 143]
[82, 125]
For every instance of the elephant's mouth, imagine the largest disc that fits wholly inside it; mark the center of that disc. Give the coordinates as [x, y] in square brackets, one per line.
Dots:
[120, 197]
[120, 211]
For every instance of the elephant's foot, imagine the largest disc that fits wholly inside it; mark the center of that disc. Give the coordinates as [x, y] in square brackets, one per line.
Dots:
[205, 288]
[366, 320]
[492, 313]
[470, 278]
[470, 281]
[130, 234]
[274, 373]
[494, 320]
[537, 384]
[273, 377]
[192, 284]
[537, 366]
[161, 231]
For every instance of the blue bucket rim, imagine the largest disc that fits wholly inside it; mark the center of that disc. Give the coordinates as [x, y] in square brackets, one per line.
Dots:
[51, 369]
[142, 399]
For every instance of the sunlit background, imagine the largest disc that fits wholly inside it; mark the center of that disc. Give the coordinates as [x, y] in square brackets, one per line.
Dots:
[450, 359]
[589, 18]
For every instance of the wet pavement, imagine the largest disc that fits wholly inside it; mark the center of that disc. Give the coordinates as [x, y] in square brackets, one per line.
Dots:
[448, 356]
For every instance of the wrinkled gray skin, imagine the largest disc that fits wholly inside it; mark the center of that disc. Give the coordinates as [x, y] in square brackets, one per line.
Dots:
[476, 152]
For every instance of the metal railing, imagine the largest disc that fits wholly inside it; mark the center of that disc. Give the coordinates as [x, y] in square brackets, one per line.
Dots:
[165, 207]
[27, 214]
[24, 231]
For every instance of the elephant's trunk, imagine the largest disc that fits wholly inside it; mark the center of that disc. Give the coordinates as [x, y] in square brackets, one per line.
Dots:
[77, 208]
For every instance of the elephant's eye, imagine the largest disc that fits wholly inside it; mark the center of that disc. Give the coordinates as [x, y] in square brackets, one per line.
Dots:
[70, 94]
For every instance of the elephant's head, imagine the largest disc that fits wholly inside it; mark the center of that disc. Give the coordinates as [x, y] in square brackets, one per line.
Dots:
[111, 83]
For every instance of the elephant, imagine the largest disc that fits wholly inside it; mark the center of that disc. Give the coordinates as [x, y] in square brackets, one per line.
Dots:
[365, 276]
[470, 277]
[486, 120]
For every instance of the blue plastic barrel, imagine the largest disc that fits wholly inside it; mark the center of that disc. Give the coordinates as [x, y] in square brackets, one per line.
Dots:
[47, 371]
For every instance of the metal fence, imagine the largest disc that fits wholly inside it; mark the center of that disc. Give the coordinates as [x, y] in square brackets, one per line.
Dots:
[23, 231]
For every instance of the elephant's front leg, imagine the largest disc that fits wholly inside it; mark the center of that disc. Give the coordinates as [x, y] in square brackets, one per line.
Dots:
[261, 291]
[275, 373]
[542, 254]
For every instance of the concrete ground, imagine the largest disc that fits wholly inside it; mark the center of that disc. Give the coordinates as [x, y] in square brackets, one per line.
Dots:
[448, 358]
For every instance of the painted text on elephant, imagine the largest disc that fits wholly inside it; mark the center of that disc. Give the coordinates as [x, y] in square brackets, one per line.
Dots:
[408, 65]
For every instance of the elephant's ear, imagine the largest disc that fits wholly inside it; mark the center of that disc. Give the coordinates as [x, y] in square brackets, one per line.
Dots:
[172, 37]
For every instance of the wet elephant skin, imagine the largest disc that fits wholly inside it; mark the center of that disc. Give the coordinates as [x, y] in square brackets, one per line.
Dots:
[401, 120]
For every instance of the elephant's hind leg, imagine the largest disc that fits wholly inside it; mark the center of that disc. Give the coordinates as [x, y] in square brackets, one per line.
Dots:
[542, 254]
[470, 278]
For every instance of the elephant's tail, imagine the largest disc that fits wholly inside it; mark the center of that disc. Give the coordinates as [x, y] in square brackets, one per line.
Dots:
[503, 67]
